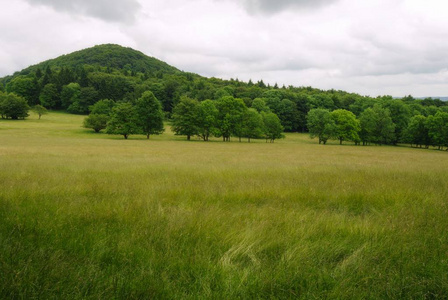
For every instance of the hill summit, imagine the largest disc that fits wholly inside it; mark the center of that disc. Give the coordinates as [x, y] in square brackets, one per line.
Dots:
[107, 55]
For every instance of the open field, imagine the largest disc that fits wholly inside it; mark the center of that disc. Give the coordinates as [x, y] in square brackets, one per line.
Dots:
[86, 215]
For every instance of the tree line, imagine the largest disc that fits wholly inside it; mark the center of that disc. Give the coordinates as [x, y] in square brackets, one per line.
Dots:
[144, 116]
[224, 118]
[377, 125]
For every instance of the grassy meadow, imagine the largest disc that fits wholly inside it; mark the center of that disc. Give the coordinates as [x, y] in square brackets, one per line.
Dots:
[85, 215]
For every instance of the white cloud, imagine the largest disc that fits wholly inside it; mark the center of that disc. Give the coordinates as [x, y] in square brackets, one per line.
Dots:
[371, 47]
[108, 10]
[272, 7]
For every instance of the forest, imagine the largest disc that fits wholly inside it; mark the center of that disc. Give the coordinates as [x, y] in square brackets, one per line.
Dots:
[202, 107]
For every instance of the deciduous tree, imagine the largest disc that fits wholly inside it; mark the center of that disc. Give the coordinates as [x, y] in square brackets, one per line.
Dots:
[39, 110]
[184, 117]
[13, 106]
[97, 122]
[347, 126]
[416, 132]
[123, 120]
[320, 124]
[376, 125]
[253, 124]
[206, 119]
[438, 129]
[150, 114]
[273, 128]
[230, 116]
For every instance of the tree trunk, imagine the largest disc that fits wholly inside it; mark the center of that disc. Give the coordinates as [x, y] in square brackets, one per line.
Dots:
[340, 141]
[125, 136]
[188, 137]
[147, 136]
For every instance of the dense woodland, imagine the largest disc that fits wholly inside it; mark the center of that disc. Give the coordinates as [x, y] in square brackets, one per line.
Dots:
[121, 79]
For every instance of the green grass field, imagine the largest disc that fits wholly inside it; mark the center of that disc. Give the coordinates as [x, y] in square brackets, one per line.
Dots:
[85, 215]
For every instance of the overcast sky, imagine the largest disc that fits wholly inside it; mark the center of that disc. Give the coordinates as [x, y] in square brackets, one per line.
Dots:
[371, 47]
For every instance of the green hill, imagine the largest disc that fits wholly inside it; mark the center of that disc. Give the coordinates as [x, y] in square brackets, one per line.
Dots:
[108, 55]
[77, 80]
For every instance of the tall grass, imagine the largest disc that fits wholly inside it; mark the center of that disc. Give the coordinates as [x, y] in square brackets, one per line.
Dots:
[86, 215]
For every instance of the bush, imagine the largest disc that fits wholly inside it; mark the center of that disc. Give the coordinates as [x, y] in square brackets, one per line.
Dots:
[13, 107]
[96, 121]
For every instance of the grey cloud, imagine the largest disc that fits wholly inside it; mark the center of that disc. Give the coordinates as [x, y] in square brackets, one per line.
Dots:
[272, 7]
[122, 11]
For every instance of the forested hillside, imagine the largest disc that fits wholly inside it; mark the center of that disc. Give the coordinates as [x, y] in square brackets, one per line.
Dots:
[76, 81]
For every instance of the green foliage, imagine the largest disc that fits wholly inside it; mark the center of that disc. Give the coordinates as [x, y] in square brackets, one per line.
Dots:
[230, 117]
[171, 93]
[321, 124]
[321, 100]
[288, 115]
[400, 114]
[223, 92]
[102, 107]
[49, 97]
[150, 114]
[113, 56]
[376, 125]
[347, 126]
[25, 86]
[437, 126]
[96, 121]
[112, 86]
[417, 131]
[430, 110]
[124, 120]
[70, 94]
[253, 125]
[360, 104]
[13, 106]
[39, 110]
[260, 105]
[185, 117]
[206, 119]
[273, 128]
[87, 97]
